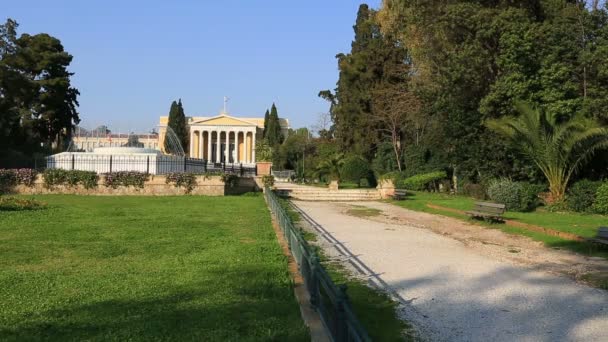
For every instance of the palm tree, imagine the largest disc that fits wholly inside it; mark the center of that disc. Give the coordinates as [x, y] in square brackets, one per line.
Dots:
[558, 147]
[331, 166]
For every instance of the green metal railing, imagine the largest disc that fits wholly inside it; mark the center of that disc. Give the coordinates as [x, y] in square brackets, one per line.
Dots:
[327, 298]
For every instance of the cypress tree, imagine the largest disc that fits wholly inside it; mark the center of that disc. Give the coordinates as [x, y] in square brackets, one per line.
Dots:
[274, 136]
[266, 119]
[177, 122]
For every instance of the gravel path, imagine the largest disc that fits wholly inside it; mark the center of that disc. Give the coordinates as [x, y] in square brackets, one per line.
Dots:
[451, 292]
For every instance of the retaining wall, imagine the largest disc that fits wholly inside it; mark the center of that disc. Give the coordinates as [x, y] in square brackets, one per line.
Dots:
[155, 186]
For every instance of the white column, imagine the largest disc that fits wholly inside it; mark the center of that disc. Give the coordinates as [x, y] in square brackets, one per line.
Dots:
[191, 143]
[219, 146]
[253, 146]
[245, 148]
[227, 148]
[200, 144]
[209, 142]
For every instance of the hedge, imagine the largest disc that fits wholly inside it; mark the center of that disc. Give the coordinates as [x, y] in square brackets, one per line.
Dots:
[581, 195]
[425, 181]
[53, 177]
[516, 196]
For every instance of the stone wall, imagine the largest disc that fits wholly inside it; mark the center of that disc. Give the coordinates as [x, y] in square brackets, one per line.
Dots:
[155, 186]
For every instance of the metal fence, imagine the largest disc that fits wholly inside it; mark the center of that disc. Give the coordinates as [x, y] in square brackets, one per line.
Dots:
[328, 299]
[114, 163]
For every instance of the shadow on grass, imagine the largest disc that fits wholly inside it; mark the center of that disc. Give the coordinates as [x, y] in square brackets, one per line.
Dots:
[259, 311]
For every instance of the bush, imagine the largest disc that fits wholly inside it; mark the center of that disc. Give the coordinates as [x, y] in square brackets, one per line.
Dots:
[601, 199]
[425, 181]
[353, 169]
[230, 179]
[581, 195]
[516, 196]
[182, 179]
[126, 178]
[53, 177]
[476, 191]
[268, 180]
[16, 204]
[12, 177]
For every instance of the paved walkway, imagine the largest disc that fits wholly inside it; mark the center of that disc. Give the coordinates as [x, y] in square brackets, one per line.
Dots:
[451, 292]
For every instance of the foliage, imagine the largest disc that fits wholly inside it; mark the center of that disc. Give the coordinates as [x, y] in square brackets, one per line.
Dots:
[581, 195]
[125, 178]
[38, 105]
[329, 169]
[425, 181]
[353, 169]
[273, 136]
[17, 204]
[186, 180]
[476, 191]
[266, 121]
[12, 177]
[142, 255]
[177, 122]
[558, 146]
[601, 199]
[230, 179]
[516, 196]
[263, 151]
[268, 180]
[71, 178]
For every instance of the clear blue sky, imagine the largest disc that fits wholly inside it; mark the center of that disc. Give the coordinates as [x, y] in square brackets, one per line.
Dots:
[132, 58]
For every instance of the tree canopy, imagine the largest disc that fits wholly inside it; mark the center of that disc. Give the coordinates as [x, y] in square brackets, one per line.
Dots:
[178, 123]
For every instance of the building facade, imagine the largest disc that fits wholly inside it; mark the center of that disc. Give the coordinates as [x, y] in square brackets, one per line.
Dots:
[223, 138]
[89, 142]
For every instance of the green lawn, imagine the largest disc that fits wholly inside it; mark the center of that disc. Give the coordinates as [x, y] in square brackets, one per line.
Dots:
[145, 268]
[580, 224]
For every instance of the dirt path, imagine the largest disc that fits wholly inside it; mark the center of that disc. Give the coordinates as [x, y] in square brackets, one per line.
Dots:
[460, 282]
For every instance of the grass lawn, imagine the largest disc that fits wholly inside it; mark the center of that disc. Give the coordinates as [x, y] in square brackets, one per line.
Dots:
[374, 309]
[580, 224]
[145, 268]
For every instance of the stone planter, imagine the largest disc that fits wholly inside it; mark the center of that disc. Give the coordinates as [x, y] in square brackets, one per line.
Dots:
[264, 168]
[333, 185]
[386, 188]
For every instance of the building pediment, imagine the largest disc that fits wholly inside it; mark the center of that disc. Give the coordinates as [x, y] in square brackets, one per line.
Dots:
[222, 120]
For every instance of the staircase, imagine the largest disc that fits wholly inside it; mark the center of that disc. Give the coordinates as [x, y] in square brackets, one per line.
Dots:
[313, 193]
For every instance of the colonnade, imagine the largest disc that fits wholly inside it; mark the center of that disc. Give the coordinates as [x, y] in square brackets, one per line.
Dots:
[215, 145]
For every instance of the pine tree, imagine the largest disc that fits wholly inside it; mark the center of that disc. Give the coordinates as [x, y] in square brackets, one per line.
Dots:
[184, 137]
[266, 119]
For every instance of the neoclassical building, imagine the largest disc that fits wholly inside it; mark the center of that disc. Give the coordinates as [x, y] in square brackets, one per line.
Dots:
[218, 137]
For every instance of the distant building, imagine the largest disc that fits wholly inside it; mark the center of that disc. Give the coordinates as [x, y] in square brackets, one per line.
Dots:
[89, 141]
[214, 138]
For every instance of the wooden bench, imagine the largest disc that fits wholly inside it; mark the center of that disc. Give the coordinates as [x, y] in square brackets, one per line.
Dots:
[399, 194]
[487, 210]
[601, 237]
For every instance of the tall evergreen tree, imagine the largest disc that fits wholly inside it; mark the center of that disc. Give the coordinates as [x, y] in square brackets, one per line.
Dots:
[266, 119]
[274, 135]
[177, 122]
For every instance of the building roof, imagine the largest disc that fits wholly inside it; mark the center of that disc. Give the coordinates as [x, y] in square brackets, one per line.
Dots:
[223, 119]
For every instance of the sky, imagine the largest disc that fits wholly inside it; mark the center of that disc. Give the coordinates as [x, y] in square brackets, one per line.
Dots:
[133, 58]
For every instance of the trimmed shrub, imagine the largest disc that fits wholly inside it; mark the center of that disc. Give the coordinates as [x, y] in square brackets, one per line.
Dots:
[12, 177]
[126, 178]
[186, 180]
[581, 195]
[516, 196]
[17, 204]
[601, 199]
[268, 180]
[476, 191]
[53, 177]
[353, 169]
[8, 178]
[425, 181]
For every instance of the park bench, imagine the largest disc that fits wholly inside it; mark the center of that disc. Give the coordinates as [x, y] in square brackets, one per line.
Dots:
[487, 210]
[601, 237]
[399, 194]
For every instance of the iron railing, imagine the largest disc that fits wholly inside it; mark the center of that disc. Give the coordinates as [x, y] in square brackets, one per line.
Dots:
[327, 298]
[114, 163]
